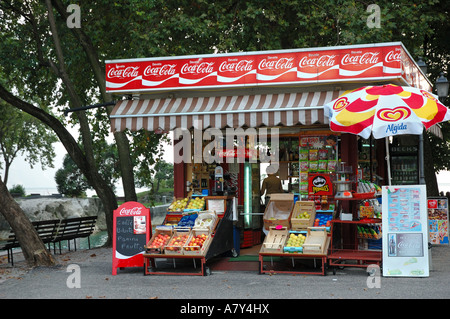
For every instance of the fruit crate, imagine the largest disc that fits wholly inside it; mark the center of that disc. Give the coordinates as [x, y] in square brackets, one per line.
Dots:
[299, 208]
[276, 239]
[151, 248]
[199, 202]
[316, 240]
[199, 250]
[176, 243]
[294, 249]
[278, 210]
[206, 219]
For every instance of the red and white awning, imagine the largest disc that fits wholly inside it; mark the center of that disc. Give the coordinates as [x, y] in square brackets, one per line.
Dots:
[269, 110]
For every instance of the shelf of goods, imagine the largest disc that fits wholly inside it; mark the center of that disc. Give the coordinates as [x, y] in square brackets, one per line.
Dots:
[353, 255]
[183, 237]
[280, 242]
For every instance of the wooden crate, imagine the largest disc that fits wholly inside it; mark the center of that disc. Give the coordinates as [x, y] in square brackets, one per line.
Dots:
[278, 211]
[174, 248]
[275, 240]
[303, 223]
[315, 241]
[197, 250]
[158, 231]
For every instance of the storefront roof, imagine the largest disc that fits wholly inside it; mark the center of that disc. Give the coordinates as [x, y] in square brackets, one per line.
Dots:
[223, 111]
[250, 89]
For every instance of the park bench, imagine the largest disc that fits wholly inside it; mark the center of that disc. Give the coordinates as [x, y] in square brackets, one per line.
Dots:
[56, 230]
[73, 228]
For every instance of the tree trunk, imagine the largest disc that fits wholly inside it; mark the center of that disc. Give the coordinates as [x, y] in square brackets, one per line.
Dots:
[123, 146]
[33, 248]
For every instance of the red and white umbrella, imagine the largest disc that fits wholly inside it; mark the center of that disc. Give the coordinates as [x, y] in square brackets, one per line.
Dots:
[385, 111]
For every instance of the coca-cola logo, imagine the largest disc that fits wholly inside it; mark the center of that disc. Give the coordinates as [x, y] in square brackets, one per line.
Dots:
[321, 61]
[393, 56]
[273, 63]
[197, 68]
[232, 65]
[160, 69]
[122, 71]
[135, 211]
[356, 58]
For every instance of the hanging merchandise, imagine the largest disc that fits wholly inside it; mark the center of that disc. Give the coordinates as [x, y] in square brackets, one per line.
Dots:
[317, 155]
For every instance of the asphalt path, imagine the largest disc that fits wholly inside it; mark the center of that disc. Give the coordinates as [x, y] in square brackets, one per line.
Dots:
[86, 274]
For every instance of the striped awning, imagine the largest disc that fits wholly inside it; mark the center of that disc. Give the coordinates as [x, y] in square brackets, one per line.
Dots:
[269, 110]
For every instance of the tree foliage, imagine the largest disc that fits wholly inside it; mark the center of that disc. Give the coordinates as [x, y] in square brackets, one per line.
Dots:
[22, 134]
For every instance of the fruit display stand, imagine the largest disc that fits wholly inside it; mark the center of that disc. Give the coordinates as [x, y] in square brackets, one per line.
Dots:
[316, 248]
[218, 241]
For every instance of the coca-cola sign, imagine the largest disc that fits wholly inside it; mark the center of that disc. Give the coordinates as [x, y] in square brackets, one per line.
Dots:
[277, 68]
[237, 70]
[160, 74]
[197, 72]
[264, 68]
[318, 66]
[123, 76]
[133, 211]
[361, 63]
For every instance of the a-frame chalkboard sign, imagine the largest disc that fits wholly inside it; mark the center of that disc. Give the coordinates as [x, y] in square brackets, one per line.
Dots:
[131, 232]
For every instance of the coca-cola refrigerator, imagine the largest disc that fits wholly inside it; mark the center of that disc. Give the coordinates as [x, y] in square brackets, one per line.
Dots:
[404, 161]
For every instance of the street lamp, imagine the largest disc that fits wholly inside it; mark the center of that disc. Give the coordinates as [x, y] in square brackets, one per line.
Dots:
[442, 86]
[422, 65]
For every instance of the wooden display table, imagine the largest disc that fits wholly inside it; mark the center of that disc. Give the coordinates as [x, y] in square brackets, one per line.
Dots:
[323, 257]
[149, 262]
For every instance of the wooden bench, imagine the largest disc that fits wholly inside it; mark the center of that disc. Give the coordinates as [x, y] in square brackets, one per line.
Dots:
[73, 228]
[54, 231]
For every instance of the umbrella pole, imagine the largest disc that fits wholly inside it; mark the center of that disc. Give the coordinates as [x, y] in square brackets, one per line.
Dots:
[388, 160]
[421, 163]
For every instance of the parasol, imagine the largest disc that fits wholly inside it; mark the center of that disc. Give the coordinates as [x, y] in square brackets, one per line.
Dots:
[385, 111]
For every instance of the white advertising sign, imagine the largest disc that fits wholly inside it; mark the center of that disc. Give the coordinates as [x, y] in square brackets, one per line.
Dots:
[405, 231]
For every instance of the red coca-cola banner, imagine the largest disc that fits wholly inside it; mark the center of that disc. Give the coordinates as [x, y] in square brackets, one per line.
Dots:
[358, 62]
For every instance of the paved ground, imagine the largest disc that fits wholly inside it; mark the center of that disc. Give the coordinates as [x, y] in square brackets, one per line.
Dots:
[96, 282]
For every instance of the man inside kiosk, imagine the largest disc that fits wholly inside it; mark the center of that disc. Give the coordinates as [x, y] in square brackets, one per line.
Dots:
[271, 184]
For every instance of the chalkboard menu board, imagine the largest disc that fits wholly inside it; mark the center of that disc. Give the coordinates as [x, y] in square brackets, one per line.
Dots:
[131, 232]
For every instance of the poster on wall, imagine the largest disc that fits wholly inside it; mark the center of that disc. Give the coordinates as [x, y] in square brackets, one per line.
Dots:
[438, 220]
[405, 231]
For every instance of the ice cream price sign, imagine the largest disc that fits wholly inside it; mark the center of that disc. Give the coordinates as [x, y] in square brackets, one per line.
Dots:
[131, 231]
[405, 238]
